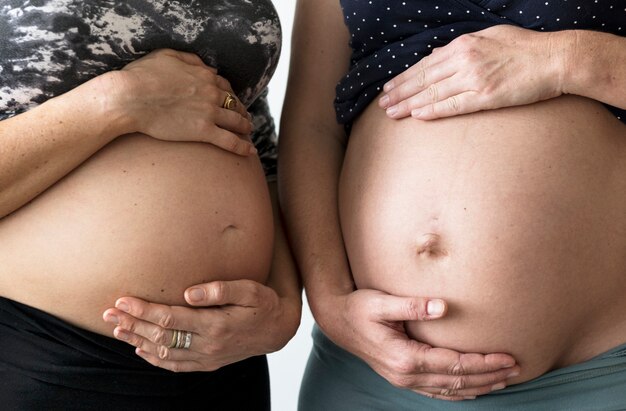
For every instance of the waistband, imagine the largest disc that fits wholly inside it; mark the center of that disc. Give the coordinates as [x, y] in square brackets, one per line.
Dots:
[48, 349]
[596, 384]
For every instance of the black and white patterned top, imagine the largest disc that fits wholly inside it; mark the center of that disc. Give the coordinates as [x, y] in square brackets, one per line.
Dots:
[387, 37]
[48, 47]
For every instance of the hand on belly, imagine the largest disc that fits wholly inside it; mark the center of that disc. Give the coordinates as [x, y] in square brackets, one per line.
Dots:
[505, 224]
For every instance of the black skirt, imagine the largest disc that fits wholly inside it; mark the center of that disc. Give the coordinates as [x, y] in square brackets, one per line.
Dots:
[46, 363]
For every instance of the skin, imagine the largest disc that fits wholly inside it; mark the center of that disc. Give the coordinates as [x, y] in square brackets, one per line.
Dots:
[230, 321]
[73, 140]
[369, 323]
[35, 145]
[505, 66]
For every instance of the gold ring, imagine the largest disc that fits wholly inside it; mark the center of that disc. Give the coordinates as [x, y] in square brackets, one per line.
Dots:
[174, 339]
[230, 102]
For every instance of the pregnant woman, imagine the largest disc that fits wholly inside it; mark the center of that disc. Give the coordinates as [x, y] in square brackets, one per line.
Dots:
[108, 188]
[513, 214]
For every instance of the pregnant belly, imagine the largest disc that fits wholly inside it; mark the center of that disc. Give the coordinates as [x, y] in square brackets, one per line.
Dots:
[141, 217]
[516, 217]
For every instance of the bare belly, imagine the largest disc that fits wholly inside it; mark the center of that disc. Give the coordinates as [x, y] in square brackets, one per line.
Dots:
[141, 217]
[517, 217]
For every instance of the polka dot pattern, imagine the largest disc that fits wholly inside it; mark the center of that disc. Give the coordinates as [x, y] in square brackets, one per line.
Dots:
[389, 36]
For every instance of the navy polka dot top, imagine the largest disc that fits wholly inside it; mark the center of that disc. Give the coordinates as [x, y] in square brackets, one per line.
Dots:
[389, 36]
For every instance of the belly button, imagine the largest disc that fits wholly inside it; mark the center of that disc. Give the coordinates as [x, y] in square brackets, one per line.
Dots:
[429, 245]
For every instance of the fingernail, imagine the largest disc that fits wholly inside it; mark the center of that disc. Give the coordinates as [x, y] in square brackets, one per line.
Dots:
[110, 318]
[388, 86]
[252, 150]
[435, 307]
[196, 294]
[122, 335]
[391, 111]
[416, 113]
[513, 374]
[470, 397]
[122, 306]
[498, 386]
[384, 101]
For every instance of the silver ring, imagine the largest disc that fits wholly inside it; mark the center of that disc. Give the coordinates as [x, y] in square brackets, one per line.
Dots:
[188, 336]
[180, 340]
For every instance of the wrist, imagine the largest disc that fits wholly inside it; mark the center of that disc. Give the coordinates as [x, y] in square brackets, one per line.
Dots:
[112, 103]
[326, 309]
[573, 71]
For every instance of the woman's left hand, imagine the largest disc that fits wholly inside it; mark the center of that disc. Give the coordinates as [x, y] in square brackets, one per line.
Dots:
[230, 321]
[501, 66]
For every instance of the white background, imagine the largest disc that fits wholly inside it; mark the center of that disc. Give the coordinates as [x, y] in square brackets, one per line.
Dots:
[287, 365]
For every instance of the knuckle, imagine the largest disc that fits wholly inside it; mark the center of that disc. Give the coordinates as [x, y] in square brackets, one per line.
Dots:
[433, 93]
[167, 320]
[158, 336]
[401, 381]
[164, 353]
[215, 95]
[420, 77]
[457, 369]
[414, 309]
[453, 104]
[403, 366]
[175, 367]
[458, 384]
[217, 290]
[234, 144]
[448, 392]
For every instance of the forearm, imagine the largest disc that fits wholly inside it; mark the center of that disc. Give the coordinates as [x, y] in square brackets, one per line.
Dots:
[283, 278]
[311, 149]
[308, 174]
[594, 65]
[42, 145]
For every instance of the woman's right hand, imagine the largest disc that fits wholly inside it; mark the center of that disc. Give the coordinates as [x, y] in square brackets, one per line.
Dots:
[370, 324]
[172, 95]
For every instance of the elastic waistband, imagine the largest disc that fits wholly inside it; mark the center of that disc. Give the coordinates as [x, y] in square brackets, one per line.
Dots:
[609, 362]
[46, 348]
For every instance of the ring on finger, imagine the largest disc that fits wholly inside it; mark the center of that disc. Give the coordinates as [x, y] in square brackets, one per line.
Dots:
[174, 341]
[181, 339]
[230, 102]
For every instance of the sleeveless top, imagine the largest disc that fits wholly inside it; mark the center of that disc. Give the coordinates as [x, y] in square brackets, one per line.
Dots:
[389, 36]
[48, 47]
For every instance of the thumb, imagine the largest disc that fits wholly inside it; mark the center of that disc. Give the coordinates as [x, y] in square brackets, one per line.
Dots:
[393, 308]
[238, 292]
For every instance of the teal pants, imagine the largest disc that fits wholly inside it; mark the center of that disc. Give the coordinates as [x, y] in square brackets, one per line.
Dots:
[337, 380]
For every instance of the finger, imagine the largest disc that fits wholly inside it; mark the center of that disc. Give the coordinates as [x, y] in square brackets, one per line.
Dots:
[467, 393]
[233, 121]
[442, 397]
[465, 385]
[175, 366]
[160, 351]
[413, 86]
[224, 84]
[417, 70]
[245, 293]
[144, 329]
[466, 102]
[165, 316]
[230, 142]
[393, 308]
[435, 92]
[449, 362]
